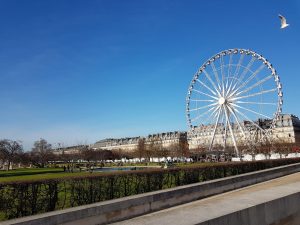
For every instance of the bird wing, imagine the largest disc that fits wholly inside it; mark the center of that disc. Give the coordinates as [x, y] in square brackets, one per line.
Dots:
[282, 18]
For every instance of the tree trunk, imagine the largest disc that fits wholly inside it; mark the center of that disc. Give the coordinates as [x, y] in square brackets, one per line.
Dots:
[8, 165]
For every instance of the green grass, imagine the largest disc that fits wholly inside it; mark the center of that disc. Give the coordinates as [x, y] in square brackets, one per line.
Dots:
[36, 177]
[33, 174]
[29, 171]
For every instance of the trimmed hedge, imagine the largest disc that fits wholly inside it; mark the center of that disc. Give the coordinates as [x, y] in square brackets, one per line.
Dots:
[18, 199]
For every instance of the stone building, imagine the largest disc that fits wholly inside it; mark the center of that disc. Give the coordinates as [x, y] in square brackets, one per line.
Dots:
[69, 150]
[287, 130]
[167, 139]
[126, 144]
[130, 144]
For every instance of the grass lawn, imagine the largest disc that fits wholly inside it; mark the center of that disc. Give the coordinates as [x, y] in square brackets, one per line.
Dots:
[32, 174]
[29, 171]
[40, 176]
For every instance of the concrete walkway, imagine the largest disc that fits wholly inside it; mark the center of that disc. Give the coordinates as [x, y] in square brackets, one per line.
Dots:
[217, 206]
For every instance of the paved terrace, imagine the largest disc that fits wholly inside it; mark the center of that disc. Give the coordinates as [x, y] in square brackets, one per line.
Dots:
[214, 208]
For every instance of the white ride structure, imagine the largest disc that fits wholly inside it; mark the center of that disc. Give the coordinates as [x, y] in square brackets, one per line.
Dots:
[230, 93]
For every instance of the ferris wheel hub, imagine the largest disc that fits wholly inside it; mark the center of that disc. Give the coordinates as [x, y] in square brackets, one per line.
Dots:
[222, 100]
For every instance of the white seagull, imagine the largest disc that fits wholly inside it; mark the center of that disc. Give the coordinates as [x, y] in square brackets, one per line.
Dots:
[283, 22]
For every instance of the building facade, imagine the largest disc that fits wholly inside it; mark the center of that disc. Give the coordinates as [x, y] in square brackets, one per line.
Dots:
[126, 144]
[131, 143]
[70, 149]
[167, 139]
[286, 130]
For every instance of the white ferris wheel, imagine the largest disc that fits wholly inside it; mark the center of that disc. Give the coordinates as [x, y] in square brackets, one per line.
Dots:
[228, 96]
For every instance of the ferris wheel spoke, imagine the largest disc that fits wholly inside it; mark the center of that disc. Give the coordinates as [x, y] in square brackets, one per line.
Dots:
[237, 69]
[226, 85]
[212, 115]
[222, 73]
[201, 100]
[214, 132]
[208, 95]
[251, 77]
[203, 114]
[224, 125]
[237, 120]
[255, 85]
[211, 81]
[229, 68]
[245, 71]
[235, 80]
[231, 132]
[222, 116]
[256, 103]
[204, 85]
[216, 75]
[229, 89]
[247, 68]
[203, 107]
[225, 133]
[254, 94]
[247, 119]
[249, 110]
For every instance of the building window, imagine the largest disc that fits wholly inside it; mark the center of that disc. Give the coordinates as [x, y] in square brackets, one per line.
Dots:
[289, 135]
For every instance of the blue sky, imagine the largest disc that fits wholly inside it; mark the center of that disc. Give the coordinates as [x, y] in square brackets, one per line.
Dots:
[75, 72]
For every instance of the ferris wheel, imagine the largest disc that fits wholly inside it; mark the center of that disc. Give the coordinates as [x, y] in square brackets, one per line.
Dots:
[232, 93]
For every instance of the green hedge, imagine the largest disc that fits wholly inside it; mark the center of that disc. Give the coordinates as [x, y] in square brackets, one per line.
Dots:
[19, 199]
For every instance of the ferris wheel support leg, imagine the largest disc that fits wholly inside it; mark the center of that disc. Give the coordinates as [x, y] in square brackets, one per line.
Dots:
[216, 125]
[231, 132]
[225, 139]
[237, 120]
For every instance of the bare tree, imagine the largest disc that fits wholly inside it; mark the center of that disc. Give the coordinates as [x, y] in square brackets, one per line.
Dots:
[10, 151]
[141, 148]
[282, 147]
[70, 155]
[41, 153]
[102, 155]
[25, 158]
[117, 153]
[157, 148]
[179, 149]
[163, 152]
[184, 148]
[87, 154]
[148, 150]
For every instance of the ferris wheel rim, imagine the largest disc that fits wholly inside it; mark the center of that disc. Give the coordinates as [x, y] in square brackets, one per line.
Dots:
[216, 89]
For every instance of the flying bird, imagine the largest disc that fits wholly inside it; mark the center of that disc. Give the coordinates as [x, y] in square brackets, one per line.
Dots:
[283, 22]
